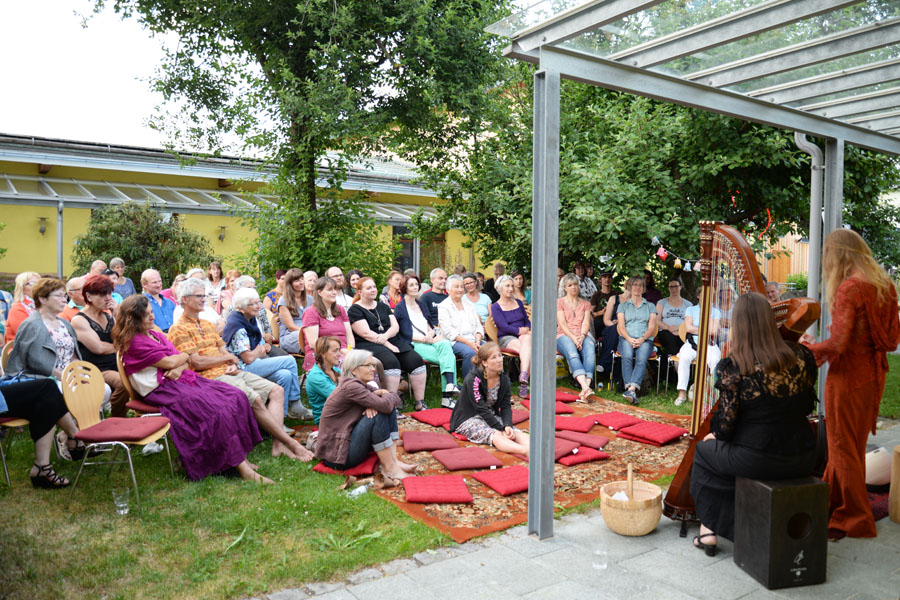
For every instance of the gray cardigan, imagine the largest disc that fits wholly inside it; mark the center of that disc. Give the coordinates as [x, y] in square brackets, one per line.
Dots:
[34, 351]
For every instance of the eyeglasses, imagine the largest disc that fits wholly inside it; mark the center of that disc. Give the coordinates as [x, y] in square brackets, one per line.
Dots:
[369, 365]
[201, 296]
[61, 296]
[674, 285]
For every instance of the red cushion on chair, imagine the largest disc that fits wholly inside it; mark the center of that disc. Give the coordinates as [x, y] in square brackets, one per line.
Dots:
[582, 424]
[584, 455]
[437, 488]
[519, 416]
[585, 439]
[121, 429]
[506, 481]
[366, 467]
[470, 457]
[564, 396]
[509, 352]
[416, 441]
[617, 420]
[141, 407]
[650, 432]
[436, 417]
[561, 408]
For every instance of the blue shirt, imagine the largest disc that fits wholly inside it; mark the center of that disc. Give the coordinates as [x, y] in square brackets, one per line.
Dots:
[318, 387]
[694, 313]
[637, 318]
[163, 312]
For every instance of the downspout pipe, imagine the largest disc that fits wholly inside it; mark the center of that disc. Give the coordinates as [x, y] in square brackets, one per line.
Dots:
[815, 213]
[59, 237]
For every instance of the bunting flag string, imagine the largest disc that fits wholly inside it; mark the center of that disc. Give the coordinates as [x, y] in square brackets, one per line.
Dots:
[664, 253]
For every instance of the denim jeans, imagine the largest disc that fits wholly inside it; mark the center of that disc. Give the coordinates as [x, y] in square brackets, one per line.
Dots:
[582, 363]
[634, 361]
[281, 370]
[376, 433]
[465, 353]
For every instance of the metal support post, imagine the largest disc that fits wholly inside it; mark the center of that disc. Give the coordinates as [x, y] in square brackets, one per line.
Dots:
[544, 251]
[833, 219]
[59, 238]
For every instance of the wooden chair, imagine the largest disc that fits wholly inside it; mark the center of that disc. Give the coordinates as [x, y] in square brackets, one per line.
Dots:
[82, 386]
[135, 402]
[4, 356]
[509, 355]
[10, 423]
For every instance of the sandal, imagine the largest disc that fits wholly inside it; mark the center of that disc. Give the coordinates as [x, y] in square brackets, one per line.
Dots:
[76, 451]
[420, 405]
[47, 478]
[382, 482]
[709, 548]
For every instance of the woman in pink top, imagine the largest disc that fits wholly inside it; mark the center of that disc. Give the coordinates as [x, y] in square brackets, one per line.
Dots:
[326, 317]
[573, 337]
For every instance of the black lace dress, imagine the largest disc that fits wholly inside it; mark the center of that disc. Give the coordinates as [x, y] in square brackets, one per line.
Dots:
[762, 432]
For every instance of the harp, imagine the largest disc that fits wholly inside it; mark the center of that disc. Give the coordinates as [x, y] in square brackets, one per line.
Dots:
[728, 269]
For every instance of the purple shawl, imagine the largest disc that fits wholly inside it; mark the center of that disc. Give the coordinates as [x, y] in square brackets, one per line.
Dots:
[148, 349]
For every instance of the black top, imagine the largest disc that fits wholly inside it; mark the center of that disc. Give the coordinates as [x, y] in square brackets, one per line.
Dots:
[431, 299]
[473, 400]
[767, 411]
[379, 320]
[104, 362]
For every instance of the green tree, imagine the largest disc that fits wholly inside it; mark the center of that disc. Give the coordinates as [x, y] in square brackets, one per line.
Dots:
[139, 235]
[318, 82]
[632, 168]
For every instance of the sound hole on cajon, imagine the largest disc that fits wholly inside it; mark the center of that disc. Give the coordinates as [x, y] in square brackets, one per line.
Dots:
[799, 526]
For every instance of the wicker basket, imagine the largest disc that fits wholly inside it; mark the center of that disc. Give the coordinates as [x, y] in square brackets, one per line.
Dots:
[639, 515]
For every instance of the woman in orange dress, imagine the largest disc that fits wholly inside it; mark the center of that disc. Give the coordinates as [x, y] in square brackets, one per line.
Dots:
[864, 327]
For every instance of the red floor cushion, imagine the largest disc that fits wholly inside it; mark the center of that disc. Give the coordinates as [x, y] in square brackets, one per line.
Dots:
[564, 396]
[416, 441]
[366, 467]
[584, 439]
[563, 447]
[519, 416]
[436, 417]
[582, 424]
[561, 408]
[617, 420]
[470, 457]
[650, 432]
[583, 455]
[506, 481]
[121, 429]
[437, 488]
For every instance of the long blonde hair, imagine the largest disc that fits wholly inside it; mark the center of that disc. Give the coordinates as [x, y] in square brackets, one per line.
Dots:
[21, 280]
[846, 252]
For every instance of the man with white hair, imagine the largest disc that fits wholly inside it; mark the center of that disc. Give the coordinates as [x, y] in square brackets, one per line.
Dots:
[97, 268]
[340, 285]
[208, 357]
[163, 308]
[437, 293]
[76, 299]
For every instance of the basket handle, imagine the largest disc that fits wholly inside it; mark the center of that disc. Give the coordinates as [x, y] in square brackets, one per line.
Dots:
[630, 483]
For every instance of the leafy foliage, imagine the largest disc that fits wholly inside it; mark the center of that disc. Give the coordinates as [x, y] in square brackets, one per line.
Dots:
[2, 250]
[632, 168]
[140, 236]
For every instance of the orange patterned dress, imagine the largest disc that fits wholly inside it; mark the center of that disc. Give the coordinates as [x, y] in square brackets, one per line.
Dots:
[863, 329]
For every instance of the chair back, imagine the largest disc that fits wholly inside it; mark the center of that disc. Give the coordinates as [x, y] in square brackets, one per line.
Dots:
[490, 328]
[682, 331]
[83, 389]
[126, 383]
[4, 356]
[275, 322]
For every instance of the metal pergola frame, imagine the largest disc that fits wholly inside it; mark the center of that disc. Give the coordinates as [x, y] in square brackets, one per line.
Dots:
[870, 119]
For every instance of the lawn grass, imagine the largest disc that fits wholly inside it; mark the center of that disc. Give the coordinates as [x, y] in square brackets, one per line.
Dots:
[890, 400]
[217, 538]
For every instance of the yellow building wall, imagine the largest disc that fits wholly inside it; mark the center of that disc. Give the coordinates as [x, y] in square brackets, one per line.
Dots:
[27, 249]
[237, 236]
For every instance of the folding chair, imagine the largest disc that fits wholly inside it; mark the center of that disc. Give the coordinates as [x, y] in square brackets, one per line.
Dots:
[82, 386]
[4, 356]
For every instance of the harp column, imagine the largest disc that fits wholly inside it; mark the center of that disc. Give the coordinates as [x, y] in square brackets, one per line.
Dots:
[544, 251]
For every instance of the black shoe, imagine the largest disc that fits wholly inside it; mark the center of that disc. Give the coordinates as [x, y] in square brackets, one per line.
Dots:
[710, 549]
[47, 478]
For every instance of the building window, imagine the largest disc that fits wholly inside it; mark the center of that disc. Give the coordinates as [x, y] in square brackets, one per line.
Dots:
[421, 256]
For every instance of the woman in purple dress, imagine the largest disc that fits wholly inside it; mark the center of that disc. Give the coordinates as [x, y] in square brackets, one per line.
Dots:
[212, 423]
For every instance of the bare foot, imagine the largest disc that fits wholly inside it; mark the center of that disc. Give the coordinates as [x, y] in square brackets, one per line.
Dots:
[257, 478]
[398, 474]
[295, 451]
[407, 467]
[248, 473]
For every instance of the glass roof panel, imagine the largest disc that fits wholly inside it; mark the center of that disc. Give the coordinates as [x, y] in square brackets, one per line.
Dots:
[198, 197]
[29, 187]
[830, 24]
[101, 191]
[535, 14]
[135, 193]
[887, 85]
[66, 189]
[165, 195]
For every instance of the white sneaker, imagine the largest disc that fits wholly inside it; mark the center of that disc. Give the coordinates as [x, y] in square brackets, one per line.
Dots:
[600, 369]
[296, 410]
[679, 401]
[152, 448]
[451, 388]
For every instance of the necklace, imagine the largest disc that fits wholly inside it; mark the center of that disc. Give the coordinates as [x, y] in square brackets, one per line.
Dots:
[377, 316]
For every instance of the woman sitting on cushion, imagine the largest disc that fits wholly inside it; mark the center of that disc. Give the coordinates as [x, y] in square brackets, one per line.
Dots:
[358, 418]
[483, 413]
[323, 377]
[212, 423]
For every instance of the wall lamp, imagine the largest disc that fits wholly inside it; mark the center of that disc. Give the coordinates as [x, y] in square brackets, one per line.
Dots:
[43, 226]
[221, 233]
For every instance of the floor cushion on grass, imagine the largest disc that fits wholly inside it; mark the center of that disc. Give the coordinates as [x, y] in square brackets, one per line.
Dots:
[650, 432]
[564, 396]
[436, 417]
[366, 467]
[519, 416]
[583, 455]
[470, 457]
[561, 408]
[437, 488]
[617, 420]
[506, 481]
[563, 447]
[584, 439]
[416, 441]
[582, 424]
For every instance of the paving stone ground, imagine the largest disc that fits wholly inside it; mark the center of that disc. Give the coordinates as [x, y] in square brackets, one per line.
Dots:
[585, 560]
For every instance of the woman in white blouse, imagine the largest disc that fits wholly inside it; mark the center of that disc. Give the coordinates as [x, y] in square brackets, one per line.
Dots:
[460, 323]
